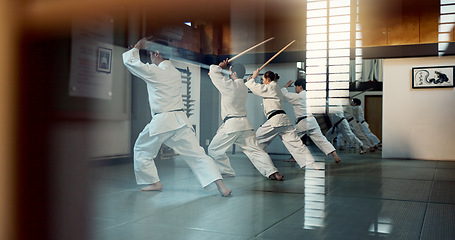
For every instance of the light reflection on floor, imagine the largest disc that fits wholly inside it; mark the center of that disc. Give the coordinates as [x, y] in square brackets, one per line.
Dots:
[364, 197]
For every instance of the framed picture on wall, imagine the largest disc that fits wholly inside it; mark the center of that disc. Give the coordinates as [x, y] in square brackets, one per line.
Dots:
[104, 58]
[433, 77]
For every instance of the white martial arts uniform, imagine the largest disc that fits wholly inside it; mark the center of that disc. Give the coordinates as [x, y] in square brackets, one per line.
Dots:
[169, 124]
[279, 124]
[236, 128]
[341, 125]
[308, 125]
[356, 128]
[359, 116]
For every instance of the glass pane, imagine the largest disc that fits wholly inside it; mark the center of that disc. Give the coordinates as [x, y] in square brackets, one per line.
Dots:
[317, 110]
[358, 60]
[316, 45]
[316, 54]
[316, 13]
[338, 101]
[316, 102]
[316, 70]
[358, 43]
[449, 18]
[358, 76]
[316, 62]
[338, 93]
[316, 38]
[339, 52]
[339, 36]
[447, 1]
[316, 29]
[316, 86]
[448, 9]
[339, 19]
[316, 78]
[339, 11]
[316, 94]
[358, 27]
[446, 27]
[444, 37]
[442, 46]
[358, 68]
[340, 28]
[338, 85]
[316, 5]
[335, 108]
[358, 35]
[358, 52]
[339, 3]
[340, 44]
[339, 69]
[333, 77]
[339, 61]
[316, 21]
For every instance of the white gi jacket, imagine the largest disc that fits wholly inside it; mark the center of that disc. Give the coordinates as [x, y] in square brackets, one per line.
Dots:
[298, 101]
[358, 114]
[271, 98]
[232, 105]
[164, 86]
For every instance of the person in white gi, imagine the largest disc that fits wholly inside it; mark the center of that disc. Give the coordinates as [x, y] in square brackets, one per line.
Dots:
[341, 125]
[359, 116]
[278, 123]
[306, 124]
[169, 124]
[236, 128]
[357, 129]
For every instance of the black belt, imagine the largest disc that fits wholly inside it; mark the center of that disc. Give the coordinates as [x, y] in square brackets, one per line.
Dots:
[350, 119]
[362, 121]
[226, 118]
[275, 113]
[336, 124]
[176, 110]
[300, 119]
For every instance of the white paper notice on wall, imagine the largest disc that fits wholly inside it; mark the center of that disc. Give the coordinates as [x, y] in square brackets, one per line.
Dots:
[91, 58]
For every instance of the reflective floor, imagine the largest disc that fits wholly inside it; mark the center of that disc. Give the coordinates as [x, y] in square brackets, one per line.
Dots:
[364, 197]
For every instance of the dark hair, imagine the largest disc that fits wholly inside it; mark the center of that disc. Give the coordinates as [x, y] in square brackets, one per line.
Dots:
[356, 101]
[144, 56]
[300, 82]
[162, 45]
[273, 76]
[239, 69]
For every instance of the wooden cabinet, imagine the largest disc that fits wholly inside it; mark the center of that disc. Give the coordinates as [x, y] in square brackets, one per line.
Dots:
[399, 22]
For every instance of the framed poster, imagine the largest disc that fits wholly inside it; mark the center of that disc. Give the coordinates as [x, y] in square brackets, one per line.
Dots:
[104, 59]
[432, 77]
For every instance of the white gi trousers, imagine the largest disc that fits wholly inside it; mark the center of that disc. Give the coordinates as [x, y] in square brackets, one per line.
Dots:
[266, 133]
[369, 134]
[247, 141]
[315, 134]
[183, 141]
[360, 134]
[343, 128]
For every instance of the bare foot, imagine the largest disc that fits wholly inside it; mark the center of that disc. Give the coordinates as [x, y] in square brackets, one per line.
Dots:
[362, 150]
[276, 176]
[153, 187]
[290, 160]
[222, 188]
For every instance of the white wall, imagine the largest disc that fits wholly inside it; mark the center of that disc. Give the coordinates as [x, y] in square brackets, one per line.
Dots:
[417, 123]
